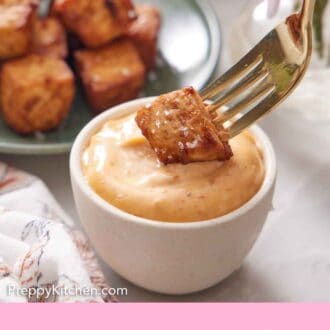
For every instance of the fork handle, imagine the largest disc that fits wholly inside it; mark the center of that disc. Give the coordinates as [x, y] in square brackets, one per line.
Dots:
[307, 12]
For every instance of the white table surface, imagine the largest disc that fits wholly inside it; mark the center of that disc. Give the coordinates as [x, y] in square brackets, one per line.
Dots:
[291, 261]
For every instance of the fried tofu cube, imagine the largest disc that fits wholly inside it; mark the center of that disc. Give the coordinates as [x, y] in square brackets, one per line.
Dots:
[16, 26]
[180, 129]
[144, 33]
[37, 93]
[110, 75]
[49, 38]
[96, 22]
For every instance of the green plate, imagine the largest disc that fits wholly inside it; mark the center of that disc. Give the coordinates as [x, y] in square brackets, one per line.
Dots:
[189, 49]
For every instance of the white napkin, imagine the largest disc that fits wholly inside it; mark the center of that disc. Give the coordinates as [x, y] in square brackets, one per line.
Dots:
[42, 256]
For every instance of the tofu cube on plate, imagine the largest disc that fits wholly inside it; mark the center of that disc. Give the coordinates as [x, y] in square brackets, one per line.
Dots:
[110, 75]
[49, 38]
[40, 101]
[144, 33]
[96, 22]
[16, 28]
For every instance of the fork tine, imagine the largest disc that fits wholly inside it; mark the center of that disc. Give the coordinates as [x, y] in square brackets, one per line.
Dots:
[265, 106]
[286, 52]
[245, 103]
[254, 78]
[237, 71]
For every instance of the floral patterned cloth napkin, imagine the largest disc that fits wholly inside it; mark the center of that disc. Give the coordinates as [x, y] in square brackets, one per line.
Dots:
[43, 257]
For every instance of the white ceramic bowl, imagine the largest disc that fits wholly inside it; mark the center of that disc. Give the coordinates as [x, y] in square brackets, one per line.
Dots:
[171, 258]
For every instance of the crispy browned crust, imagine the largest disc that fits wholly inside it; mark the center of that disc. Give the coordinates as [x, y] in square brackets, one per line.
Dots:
[180, 130]
[41, 100]
[110, 75]
[144, 33]
[96, 22]
[16, 27]
[49, 38]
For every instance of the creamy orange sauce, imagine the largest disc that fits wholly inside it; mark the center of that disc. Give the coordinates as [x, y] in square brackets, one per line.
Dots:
[122, 168]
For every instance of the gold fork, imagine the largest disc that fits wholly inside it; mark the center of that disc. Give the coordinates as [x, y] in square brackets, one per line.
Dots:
[264, 77]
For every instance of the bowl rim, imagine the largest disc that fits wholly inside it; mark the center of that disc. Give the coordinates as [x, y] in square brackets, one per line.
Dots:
[92, 127]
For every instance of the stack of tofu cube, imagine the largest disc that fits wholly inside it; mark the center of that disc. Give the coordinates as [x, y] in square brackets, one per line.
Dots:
[113, 45]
